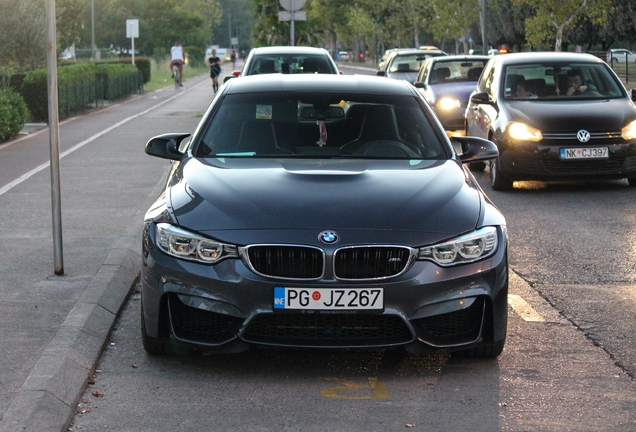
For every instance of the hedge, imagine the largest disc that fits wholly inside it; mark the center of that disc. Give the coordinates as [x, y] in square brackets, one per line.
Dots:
[142, 64]
[79, 86]
[13, 114]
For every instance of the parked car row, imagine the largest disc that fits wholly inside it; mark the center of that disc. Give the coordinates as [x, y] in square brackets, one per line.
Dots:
[311, 210]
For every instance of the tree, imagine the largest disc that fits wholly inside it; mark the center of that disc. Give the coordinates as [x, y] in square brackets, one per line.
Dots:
[454, 19]
[23, 30]
[553, 18]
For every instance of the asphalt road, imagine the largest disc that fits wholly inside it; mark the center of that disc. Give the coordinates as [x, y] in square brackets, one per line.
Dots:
[569, 362]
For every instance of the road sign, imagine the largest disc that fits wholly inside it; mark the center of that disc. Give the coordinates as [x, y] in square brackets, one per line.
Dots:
[289, 16]
[132, 28]
[287, 5]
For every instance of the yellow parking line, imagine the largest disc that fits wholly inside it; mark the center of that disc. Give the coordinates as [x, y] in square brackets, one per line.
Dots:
[523, 309]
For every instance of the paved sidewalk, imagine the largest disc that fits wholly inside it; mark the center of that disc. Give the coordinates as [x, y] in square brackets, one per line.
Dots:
[54, 327]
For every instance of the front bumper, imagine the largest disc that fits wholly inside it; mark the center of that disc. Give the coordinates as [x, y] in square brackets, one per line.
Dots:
[427, 308]
[542, 161]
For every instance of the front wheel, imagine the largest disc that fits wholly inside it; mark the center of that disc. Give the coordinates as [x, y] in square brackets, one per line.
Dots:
[497, 180]
[632, 181]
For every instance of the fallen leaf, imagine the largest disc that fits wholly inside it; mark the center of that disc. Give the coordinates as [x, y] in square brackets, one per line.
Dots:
[134, 365]
[409, 425]
[85, 410]
[97, 393]
[91, 380]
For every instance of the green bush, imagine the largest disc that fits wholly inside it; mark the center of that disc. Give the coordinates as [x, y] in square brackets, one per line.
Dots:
[79, 84]
[142, 64]
[13, 114]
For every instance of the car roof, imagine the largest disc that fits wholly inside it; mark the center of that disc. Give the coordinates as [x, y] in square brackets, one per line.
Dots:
[289, 50]
[319, 82]
[458, 57]
[409, 51]
[548, 56]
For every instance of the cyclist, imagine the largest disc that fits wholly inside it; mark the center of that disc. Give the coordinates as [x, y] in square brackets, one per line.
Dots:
[176, 59]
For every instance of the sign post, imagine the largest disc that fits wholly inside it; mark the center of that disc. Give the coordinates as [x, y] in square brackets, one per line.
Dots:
[54, 136]
[292, 13]
[132, 32]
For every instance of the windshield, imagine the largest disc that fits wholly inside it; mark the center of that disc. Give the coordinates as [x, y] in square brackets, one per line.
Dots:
[321, 125]
[410, 62]
[556, 81]
[290, 64]
[456, 71]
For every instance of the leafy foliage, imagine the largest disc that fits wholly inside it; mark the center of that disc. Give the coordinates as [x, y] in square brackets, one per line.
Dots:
[13, 114]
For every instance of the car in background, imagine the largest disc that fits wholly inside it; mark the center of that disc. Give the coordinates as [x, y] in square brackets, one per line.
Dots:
[619, 55]
[446, 83]
[322, 211]
[554, 117]
[498, 51]
[287, 60]
[344, 55]
[406, 63]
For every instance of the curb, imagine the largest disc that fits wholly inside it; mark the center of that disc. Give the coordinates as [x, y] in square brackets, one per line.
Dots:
[48, 398]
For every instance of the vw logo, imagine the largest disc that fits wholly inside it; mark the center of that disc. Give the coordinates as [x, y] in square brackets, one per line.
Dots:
[328, 237]
[583, 135]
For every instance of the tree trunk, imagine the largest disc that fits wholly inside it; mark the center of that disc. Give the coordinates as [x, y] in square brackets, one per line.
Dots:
[559, 38]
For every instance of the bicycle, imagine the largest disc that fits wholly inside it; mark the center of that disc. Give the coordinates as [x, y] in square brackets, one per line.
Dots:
[175, 77]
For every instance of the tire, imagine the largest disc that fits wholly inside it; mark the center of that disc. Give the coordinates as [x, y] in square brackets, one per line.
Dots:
[632, 181]
[497, 180]
[486, 351]
[151, 345]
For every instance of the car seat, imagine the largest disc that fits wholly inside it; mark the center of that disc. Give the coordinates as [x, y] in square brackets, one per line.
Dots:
[475, 73]
[267, 66]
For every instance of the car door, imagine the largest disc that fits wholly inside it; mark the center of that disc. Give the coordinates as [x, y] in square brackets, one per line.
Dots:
[479, 116]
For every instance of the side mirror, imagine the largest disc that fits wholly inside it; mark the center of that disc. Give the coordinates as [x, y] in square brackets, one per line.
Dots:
[381, 73]
[226, 78]
[419, 84]
[632, 93]
[481, 98]
[166, 146]
[476, 149]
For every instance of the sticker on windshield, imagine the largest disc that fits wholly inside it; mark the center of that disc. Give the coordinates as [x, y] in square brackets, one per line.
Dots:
[264, 112]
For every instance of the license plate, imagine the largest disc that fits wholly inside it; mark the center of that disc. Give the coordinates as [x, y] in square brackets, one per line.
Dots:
[328, 298]
[585, 153]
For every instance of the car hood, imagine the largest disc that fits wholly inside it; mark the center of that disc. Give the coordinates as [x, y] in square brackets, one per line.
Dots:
[459, 90]
[427, 197]
[409, 76]
[559, 116]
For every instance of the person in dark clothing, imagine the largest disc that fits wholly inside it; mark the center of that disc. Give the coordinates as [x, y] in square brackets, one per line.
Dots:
[215, 70]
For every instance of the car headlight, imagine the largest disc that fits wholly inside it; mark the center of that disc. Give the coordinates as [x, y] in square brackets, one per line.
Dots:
[523, 132]
[448, 103]
[183, 244]
[463, 249]
[629, 131]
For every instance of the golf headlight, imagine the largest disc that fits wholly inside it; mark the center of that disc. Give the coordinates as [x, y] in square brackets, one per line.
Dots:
[523, 132]
[629, 131]
[180, 243]
[448, 103]
[463, 249]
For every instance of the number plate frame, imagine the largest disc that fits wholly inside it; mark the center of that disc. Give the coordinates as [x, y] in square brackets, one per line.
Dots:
[328, 299]
[578, 153]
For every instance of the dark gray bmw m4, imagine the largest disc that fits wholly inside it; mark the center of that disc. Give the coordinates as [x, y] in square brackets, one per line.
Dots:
[322, 212]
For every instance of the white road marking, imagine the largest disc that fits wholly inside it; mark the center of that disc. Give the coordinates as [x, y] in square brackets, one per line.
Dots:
[523, 309]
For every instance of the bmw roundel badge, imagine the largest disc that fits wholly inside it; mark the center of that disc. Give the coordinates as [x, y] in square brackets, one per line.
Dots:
[328, 237]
